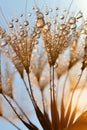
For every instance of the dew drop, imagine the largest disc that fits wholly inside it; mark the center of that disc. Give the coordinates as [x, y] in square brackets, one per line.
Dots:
[40, 22]
[21, 15]
[57, 8]
[37, 10]
[39, 15]
[56, 65]
[83, 31]
[73, 26]
[47, 13]
[72, 20]
[51, 10]
[61, 17]
[26, 23]
[11, 25]
[14, 37]
[54, 21]
[79, 15]
[3, 43]
[65, 32]
[46, 28]
[62, 26]
[16, 19]
[21, 27]
[8, 38]
[21, 33]
[29, 14]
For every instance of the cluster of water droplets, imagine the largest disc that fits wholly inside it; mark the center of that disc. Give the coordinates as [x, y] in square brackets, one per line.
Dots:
[57, 33]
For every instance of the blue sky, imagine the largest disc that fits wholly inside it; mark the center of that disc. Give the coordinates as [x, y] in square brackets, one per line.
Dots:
[12, 8]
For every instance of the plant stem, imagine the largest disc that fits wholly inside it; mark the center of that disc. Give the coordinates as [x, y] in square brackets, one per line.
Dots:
[21, 110]
[62, 103]
[11, 106]
[50, 85]
[43, 101]
[53, 86]
[11, 122]
[77, 83]
[32, 96]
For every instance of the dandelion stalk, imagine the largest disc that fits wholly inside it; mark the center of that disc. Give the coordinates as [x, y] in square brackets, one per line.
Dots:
[11, 105]
[62, 102]
[43, 103]
[27, 89]
[75, 109]
[11, 122]
[50, 87]
[53, 85]
[70, 103]
[30, 126]
[34, 102]
[68, 10]
[21, 110]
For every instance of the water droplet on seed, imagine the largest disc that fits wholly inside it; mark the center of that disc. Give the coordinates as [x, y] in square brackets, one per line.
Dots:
[29, 14]
[14, 37]
[16, 19]
[73, 26]
[79, 15]
[57, 8]
[40, 23]
[62, 26]
[72, 20]
[61, 17]
[26, 23]
[46, 28]
[11, 25]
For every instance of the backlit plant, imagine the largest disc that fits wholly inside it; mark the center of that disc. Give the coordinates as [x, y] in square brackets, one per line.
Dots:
[36, 50]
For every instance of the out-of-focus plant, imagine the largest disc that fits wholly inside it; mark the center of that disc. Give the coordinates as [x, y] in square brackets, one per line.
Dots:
[59, 35]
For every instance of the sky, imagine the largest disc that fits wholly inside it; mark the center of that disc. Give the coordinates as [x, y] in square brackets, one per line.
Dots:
[13, 8]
